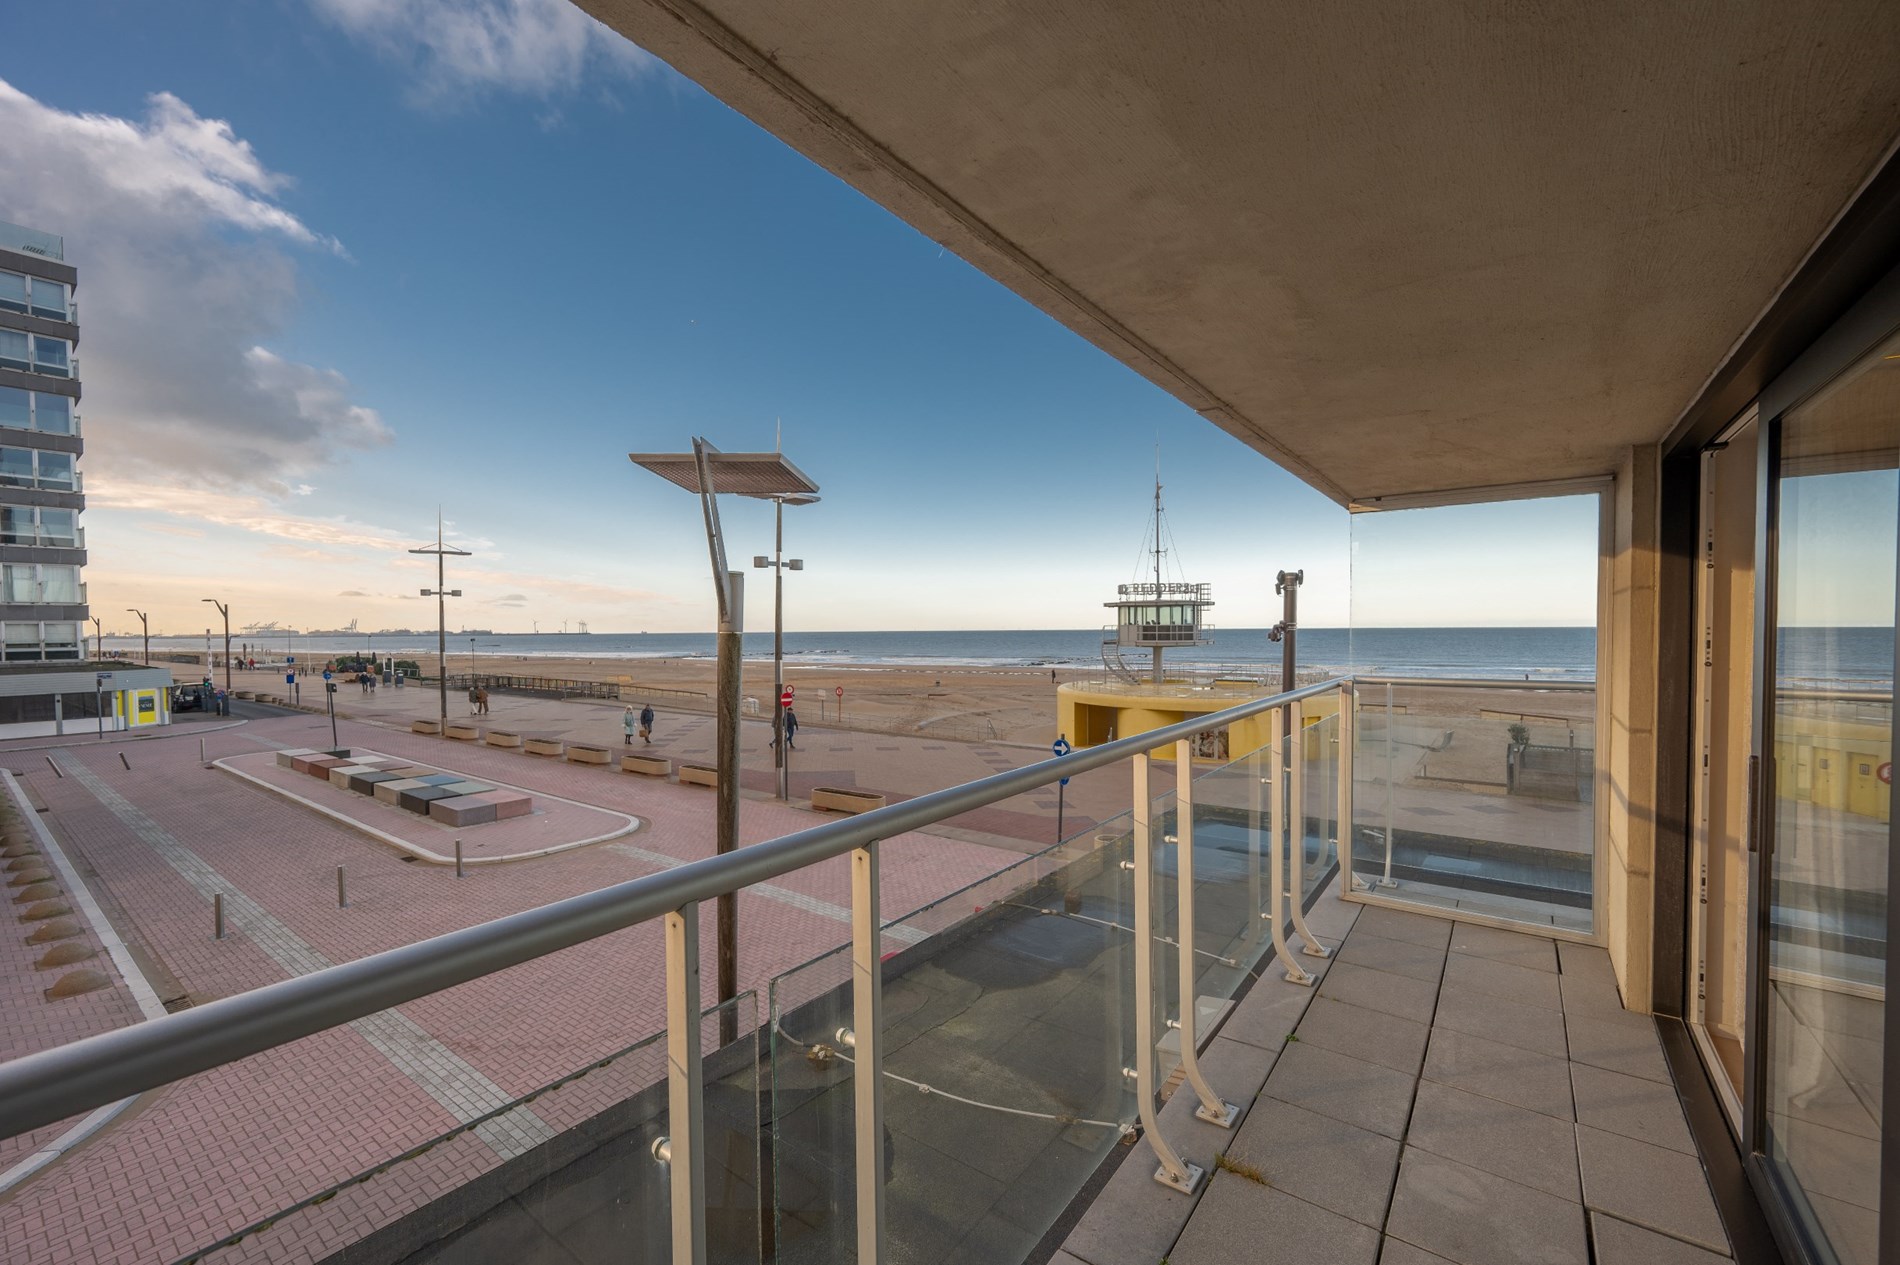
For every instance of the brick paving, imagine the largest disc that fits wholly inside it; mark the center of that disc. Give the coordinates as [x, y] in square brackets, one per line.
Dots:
[206, 1156]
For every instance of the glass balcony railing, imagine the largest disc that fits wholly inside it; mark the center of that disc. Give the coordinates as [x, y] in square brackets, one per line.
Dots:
[938, 1089]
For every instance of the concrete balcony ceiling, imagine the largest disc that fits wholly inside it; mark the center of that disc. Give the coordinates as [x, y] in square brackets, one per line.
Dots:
[1397, 248]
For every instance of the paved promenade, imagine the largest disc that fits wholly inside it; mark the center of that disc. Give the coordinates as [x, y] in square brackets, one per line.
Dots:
[200, 1158]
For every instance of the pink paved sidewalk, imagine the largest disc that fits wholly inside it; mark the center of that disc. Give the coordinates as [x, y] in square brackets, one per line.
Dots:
[205, 1156]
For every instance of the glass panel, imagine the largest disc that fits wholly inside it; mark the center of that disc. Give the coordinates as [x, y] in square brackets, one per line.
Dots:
[13, 350]
[21, 584]
[59, 584]
[22, 642]
[63, 641]
[49, 299]
[1009, 1001]
[59, 527]
[1823, 1007]
[16, 408]
[1468, 795]
[12, 292]
[16, 466]
[52, 413]
[16, 525]
[55, 469]
[50, 355]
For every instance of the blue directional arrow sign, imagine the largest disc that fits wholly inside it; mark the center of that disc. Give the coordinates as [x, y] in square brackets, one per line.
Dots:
[1061, 747]
[326, 674]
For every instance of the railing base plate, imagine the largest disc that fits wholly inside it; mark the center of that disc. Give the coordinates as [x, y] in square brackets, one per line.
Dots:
[1195, 1176]
[1306, 979]
[1320, 952]
[1224, 1117]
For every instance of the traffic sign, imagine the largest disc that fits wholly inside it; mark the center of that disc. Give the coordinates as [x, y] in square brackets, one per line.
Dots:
[290, 678]
[1885, 772]
[1061, 747]
[290, 658]
[326, 674]
[839, 691]
[785, 699]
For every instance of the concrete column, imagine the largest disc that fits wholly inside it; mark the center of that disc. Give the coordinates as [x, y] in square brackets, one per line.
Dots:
[1629, 625]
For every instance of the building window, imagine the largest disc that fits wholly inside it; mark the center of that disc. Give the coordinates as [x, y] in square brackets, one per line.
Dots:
[63, 641]
[59, 527]
[14, 351]
[30, 583]
[31, 468]
[27, 525]
[52, 356]
[36, 295]
[35, 410]
[55, 470]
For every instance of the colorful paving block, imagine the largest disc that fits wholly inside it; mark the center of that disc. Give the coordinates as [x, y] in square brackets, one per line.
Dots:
[340, 776]
[418, 799]
[439, 779]
[507, 803]
[391, 791]
[366, 783]
[462, 810]
[467, 788]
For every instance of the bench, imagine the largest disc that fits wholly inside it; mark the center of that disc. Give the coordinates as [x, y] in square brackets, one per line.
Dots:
[651, 765]
[698, 775]
[425, 726]
[839, 800]
[586, 753]
[462, 731]
[544, 746]
[503, 738]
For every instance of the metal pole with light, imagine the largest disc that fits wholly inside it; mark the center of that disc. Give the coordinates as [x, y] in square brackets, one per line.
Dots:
[761, 475]
[780, 564]
[224, 610]
[441, 595]
[98, 639]
[146, 625]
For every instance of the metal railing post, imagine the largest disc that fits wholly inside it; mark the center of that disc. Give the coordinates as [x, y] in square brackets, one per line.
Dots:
[1213, 1109]
[867, 1030]
[1276, 865]
[1296, 834]
[1386, 879]
[1174, 1172]
[1342, 828]
[685, 1090]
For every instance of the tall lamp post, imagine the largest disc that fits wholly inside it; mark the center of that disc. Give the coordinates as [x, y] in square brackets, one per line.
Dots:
[225, 610]
[780, 564]
[755, 474]
[441, 595]
[147, 626]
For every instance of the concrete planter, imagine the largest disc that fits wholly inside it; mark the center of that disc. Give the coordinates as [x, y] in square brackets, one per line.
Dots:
[425, 726]
[463, 732]
[838, 800]
[582, 753]
[503, 738]
[544, 746]
[698, 775]
[651, 765]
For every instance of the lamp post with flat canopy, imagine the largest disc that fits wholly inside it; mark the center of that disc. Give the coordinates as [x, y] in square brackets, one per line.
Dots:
[147, 626]
[762, 475]
[780, 564]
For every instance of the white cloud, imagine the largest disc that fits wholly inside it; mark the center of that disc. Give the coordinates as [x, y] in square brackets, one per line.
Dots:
[534, 46]
[173, 222]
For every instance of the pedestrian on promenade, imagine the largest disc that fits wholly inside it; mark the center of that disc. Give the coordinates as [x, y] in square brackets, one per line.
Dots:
[791, 728]
[646, 724]
[481, 701]
[471, 700]
[628, 722]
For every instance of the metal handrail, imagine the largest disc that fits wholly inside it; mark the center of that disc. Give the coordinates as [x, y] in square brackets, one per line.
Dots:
[45, 1087]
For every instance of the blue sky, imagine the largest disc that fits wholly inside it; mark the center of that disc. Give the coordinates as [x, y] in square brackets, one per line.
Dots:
[334, 275]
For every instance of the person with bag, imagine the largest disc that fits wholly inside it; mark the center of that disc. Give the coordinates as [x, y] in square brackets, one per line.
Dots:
[646, 724]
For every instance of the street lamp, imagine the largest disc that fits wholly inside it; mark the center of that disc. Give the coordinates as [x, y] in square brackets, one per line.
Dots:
[780, 564]
[755, 474]
[441, 612]
[225, 611]
[147, 626]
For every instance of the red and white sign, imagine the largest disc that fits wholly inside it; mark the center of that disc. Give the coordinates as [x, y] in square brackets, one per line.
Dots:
[840, 691]
[1885, 772]
[785, 699]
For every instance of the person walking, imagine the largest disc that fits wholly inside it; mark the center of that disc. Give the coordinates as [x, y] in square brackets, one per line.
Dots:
[481, 701]
[646, 724]
[791, 729]
[472, 700]
[628, 722]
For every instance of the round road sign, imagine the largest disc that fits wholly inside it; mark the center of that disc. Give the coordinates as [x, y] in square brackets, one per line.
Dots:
[785, 699]
[839, 691]
[1885, 772]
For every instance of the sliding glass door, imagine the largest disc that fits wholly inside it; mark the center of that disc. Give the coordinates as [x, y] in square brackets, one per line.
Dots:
[1824, 746]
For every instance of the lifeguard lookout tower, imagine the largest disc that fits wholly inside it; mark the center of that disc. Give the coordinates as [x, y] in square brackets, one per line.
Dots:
[1155, 614]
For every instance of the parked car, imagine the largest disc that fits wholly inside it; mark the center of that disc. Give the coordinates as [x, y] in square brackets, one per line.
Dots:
[189, 698]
